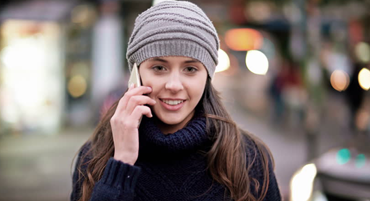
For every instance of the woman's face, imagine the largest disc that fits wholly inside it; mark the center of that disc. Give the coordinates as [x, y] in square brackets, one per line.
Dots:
[178, 84]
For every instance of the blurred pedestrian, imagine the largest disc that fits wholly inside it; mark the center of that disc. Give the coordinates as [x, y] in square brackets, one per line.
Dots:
[186, 147]
[354, 95]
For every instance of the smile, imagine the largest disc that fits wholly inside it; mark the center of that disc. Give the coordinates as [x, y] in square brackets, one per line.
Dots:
[172, 105]
[172, 102]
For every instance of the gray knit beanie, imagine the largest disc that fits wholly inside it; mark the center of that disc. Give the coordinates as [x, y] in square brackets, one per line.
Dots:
[174, 28]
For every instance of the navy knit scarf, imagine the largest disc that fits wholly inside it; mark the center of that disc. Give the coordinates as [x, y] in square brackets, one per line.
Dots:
[186, 140]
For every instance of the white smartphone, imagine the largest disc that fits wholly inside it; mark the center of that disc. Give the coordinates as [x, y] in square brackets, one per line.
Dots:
[135, 79]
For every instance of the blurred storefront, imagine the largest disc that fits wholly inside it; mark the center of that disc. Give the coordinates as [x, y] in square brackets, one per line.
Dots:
[59, 60]
[32, 67]
[42, 66]
[31, 81]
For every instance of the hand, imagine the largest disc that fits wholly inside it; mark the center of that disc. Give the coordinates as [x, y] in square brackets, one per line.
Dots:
[126, 120]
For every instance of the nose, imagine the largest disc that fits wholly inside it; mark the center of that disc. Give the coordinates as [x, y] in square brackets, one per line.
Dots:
[174, 83]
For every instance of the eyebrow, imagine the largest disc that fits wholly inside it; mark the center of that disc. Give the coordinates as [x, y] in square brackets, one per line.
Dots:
[192, 61]
[165, 61]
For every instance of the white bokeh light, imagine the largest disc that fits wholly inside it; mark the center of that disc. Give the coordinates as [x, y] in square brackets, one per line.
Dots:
[301, 185]
[257, 62]
[364, 79]
[223, 61]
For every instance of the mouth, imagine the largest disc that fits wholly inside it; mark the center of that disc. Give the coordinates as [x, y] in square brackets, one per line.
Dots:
[172, 102]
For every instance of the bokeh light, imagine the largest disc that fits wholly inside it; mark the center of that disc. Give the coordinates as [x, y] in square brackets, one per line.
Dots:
[360, 160]
[301, 184]
[257, 62]
[259, 11]
[84, 15]
[343, 156]
[77, 86]
[243, 39]
[364, 79]
[362, 119]
[362, 51]
[80, 14]
[339, 80]
[223, 61]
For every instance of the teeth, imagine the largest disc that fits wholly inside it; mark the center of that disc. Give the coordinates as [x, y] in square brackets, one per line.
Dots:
[173, 102]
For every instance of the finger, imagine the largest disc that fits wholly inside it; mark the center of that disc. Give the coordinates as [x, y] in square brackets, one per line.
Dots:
[138, 100]
[122, 104]
[141, 110]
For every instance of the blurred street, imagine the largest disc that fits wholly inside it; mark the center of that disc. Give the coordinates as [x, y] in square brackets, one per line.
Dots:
[38, 167]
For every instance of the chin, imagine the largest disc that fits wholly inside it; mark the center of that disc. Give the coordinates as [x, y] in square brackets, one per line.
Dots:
[169, 120]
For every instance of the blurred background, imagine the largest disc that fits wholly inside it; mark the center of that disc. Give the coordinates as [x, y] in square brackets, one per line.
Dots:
[293, 72]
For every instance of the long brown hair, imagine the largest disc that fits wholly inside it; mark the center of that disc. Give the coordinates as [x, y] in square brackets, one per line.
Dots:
[227, 161]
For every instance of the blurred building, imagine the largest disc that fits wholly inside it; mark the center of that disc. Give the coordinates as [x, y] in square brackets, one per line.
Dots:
[32, 66]
[45, 65]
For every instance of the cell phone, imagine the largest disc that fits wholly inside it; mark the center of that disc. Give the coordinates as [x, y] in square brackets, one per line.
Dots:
[134, 77]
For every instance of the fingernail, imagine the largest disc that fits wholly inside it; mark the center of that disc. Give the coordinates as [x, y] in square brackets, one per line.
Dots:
[131, 85]
[150, 88]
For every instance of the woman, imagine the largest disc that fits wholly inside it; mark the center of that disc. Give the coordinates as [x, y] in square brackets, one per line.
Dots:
[172, 139]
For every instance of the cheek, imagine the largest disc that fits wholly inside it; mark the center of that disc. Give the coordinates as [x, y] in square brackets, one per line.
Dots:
[145, 81]
[197, 88]
[154, 87]
[199, 93]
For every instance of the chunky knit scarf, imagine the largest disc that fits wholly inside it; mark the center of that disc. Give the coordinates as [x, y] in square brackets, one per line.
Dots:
[191, 138]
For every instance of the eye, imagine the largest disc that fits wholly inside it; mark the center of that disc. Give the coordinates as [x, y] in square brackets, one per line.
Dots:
[191, 69]
[158, 68]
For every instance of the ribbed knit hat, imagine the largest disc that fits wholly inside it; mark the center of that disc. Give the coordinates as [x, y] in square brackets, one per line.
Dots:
[174, 28]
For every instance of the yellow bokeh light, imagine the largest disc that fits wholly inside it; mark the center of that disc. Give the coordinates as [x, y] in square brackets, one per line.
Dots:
[339, 80]
[77, 86]
[223, 61]
[80, 14]
[84, 15]
[243, 39]
[364, 78]
[257, 62]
